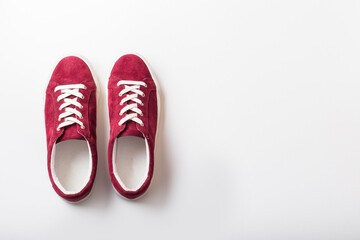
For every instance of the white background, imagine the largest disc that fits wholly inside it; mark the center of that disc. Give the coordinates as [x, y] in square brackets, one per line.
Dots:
[260, 125]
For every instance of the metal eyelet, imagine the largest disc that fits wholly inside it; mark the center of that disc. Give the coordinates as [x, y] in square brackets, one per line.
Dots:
[82, 97]
[81, 107]
[85, 87]
[81, 117]
[141, 114]
[141, 104]
[119, 124]
[145, 85]
[142, 124]
[57, 129]
[143, 95]
[120, 94]
[82, 127]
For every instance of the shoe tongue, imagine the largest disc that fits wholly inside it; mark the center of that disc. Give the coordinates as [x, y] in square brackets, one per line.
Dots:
[70, 132]
[131, 130]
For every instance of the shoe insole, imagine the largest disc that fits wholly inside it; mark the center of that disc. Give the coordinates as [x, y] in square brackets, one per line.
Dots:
[131, 163]
[72, 164]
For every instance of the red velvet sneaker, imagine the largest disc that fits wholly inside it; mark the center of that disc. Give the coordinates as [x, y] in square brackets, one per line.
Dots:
[133, 113]
[70, 119]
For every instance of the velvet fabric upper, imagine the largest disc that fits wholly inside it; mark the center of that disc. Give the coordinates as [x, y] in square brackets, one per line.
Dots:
[71, 70]
[132, 67]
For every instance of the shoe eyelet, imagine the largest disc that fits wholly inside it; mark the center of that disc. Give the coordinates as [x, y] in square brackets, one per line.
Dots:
[141, 114]
[82, 97]
[145, 85]
[81, 117]
[59, 109]
[120, 94]
[82, 127]
[119, 124]
[143, 95]
[85, 87]
[81, 107]
[57, 129]
[141, 104]
[142, 124]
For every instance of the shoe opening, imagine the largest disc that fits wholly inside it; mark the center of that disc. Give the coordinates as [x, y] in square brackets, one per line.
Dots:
[131, 162]
[71, 165]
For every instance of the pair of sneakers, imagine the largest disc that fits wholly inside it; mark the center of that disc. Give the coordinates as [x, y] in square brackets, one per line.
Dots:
[70, 119]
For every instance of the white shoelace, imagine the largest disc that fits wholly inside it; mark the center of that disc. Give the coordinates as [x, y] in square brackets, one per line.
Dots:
[134, 87]
[68, 91]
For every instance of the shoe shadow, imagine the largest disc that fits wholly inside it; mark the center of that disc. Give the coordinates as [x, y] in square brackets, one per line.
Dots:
[158, 192]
